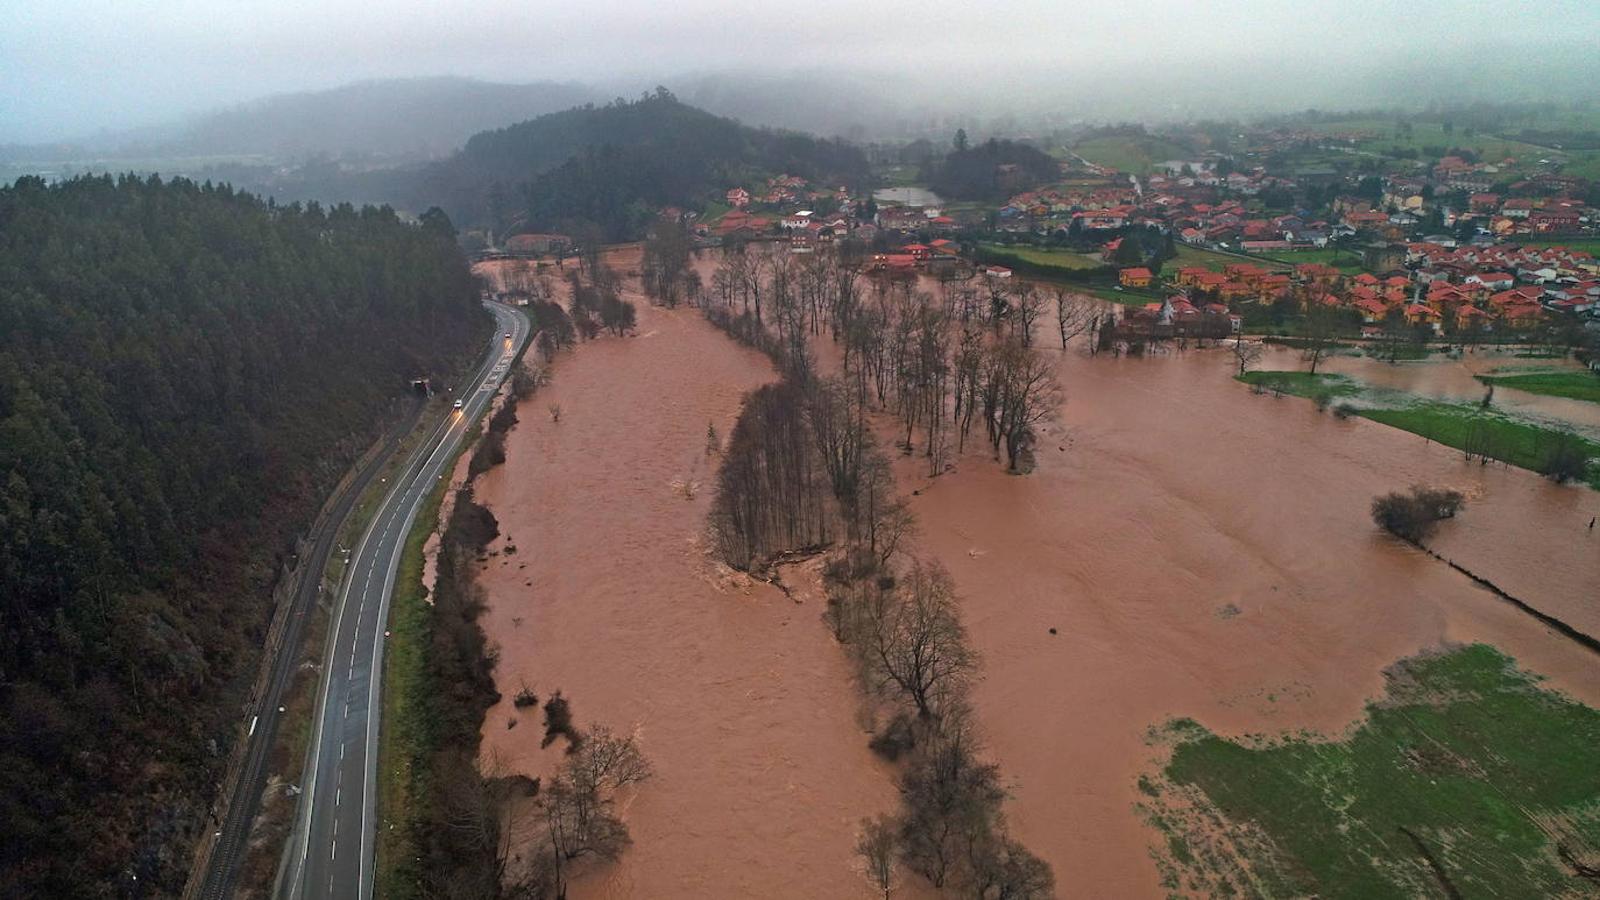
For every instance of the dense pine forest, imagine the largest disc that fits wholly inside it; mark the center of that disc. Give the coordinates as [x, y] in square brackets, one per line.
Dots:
[611, 167]
[184, 371]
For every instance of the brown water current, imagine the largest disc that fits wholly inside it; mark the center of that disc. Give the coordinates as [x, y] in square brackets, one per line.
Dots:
[1202, 552]
[1205, 552]
[738, 695]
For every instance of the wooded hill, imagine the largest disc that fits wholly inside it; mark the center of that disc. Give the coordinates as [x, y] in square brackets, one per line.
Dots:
[611, 167]
[185, 370]
[992, 170]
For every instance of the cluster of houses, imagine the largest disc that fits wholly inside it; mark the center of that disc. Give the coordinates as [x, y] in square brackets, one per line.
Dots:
[1446, 288]
[533, 245]
[938, 255]
[1480, 285]
[1471, 277]
[780, 190]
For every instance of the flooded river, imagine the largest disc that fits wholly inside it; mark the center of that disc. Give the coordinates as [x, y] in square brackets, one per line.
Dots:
[1453, 379]
[738, 695]
[1200, 550]
[1206, 552]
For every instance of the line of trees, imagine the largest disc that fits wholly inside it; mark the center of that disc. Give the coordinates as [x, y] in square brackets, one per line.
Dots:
[802, 471]
[903, 630]
[942, 361]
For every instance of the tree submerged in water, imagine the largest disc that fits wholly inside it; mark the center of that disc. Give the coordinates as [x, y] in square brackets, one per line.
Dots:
[1414, 516]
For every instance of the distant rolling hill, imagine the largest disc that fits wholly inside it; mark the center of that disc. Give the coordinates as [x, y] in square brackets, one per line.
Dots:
[403, 119]
[392, 121]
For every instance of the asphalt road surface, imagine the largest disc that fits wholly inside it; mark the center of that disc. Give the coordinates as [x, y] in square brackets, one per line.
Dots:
[330, 853]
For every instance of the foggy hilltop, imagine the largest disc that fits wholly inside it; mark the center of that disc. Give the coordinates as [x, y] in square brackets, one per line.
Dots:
[410, 119]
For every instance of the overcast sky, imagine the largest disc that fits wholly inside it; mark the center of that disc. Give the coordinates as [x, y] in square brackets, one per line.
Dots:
[72, 67]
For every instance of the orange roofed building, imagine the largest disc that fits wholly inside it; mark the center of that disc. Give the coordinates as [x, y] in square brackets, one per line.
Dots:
[1138, 277]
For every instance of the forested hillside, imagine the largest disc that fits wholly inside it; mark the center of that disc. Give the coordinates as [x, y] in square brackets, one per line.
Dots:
[612, 166]
[184, 371]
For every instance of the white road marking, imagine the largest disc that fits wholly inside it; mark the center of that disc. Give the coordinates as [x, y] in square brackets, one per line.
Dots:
[392, 503]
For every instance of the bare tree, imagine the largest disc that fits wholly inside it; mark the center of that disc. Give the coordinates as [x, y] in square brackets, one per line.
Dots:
[1413, 517]
[605, 763]
[883, 520]
[952, 801]
[578, 804]
[838, 426]
[1030, 306]
[999, 868]
[919, 645]
[877, 847]
[1024, 394]
[1246, 355]
[1074, 315]
[665, 265]
[770, 494]
[1320, 329]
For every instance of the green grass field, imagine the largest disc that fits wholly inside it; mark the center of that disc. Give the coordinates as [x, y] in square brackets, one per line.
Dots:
[1463, 780]
[1340, 259]
[1125, 296]
[1584, 164]
[1303, 384]
[1064, 262]
[1131, 154]
[1461, 426]
[1572, 385]
[1432, 134]
[899, 176]
[714, 211]
[407, 736]
[1457, 425]
[1057, 259]
[1190, 255]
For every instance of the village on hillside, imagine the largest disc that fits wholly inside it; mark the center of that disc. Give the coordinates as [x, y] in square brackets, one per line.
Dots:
[1458, 246]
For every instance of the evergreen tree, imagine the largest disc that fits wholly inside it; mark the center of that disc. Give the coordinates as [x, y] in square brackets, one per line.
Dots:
[185, 371]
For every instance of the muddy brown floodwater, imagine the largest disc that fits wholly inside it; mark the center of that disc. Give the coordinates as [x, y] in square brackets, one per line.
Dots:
[1201, 551]
[1206, 552]
[738, 696]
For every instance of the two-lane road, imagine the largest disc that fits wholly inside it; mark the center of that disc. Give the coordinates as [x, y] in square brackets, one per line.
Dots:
[331, 852]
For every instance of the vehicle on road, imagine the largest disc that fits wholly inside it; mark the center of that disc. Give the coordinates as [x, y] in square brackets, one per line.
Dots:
[458, 404]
